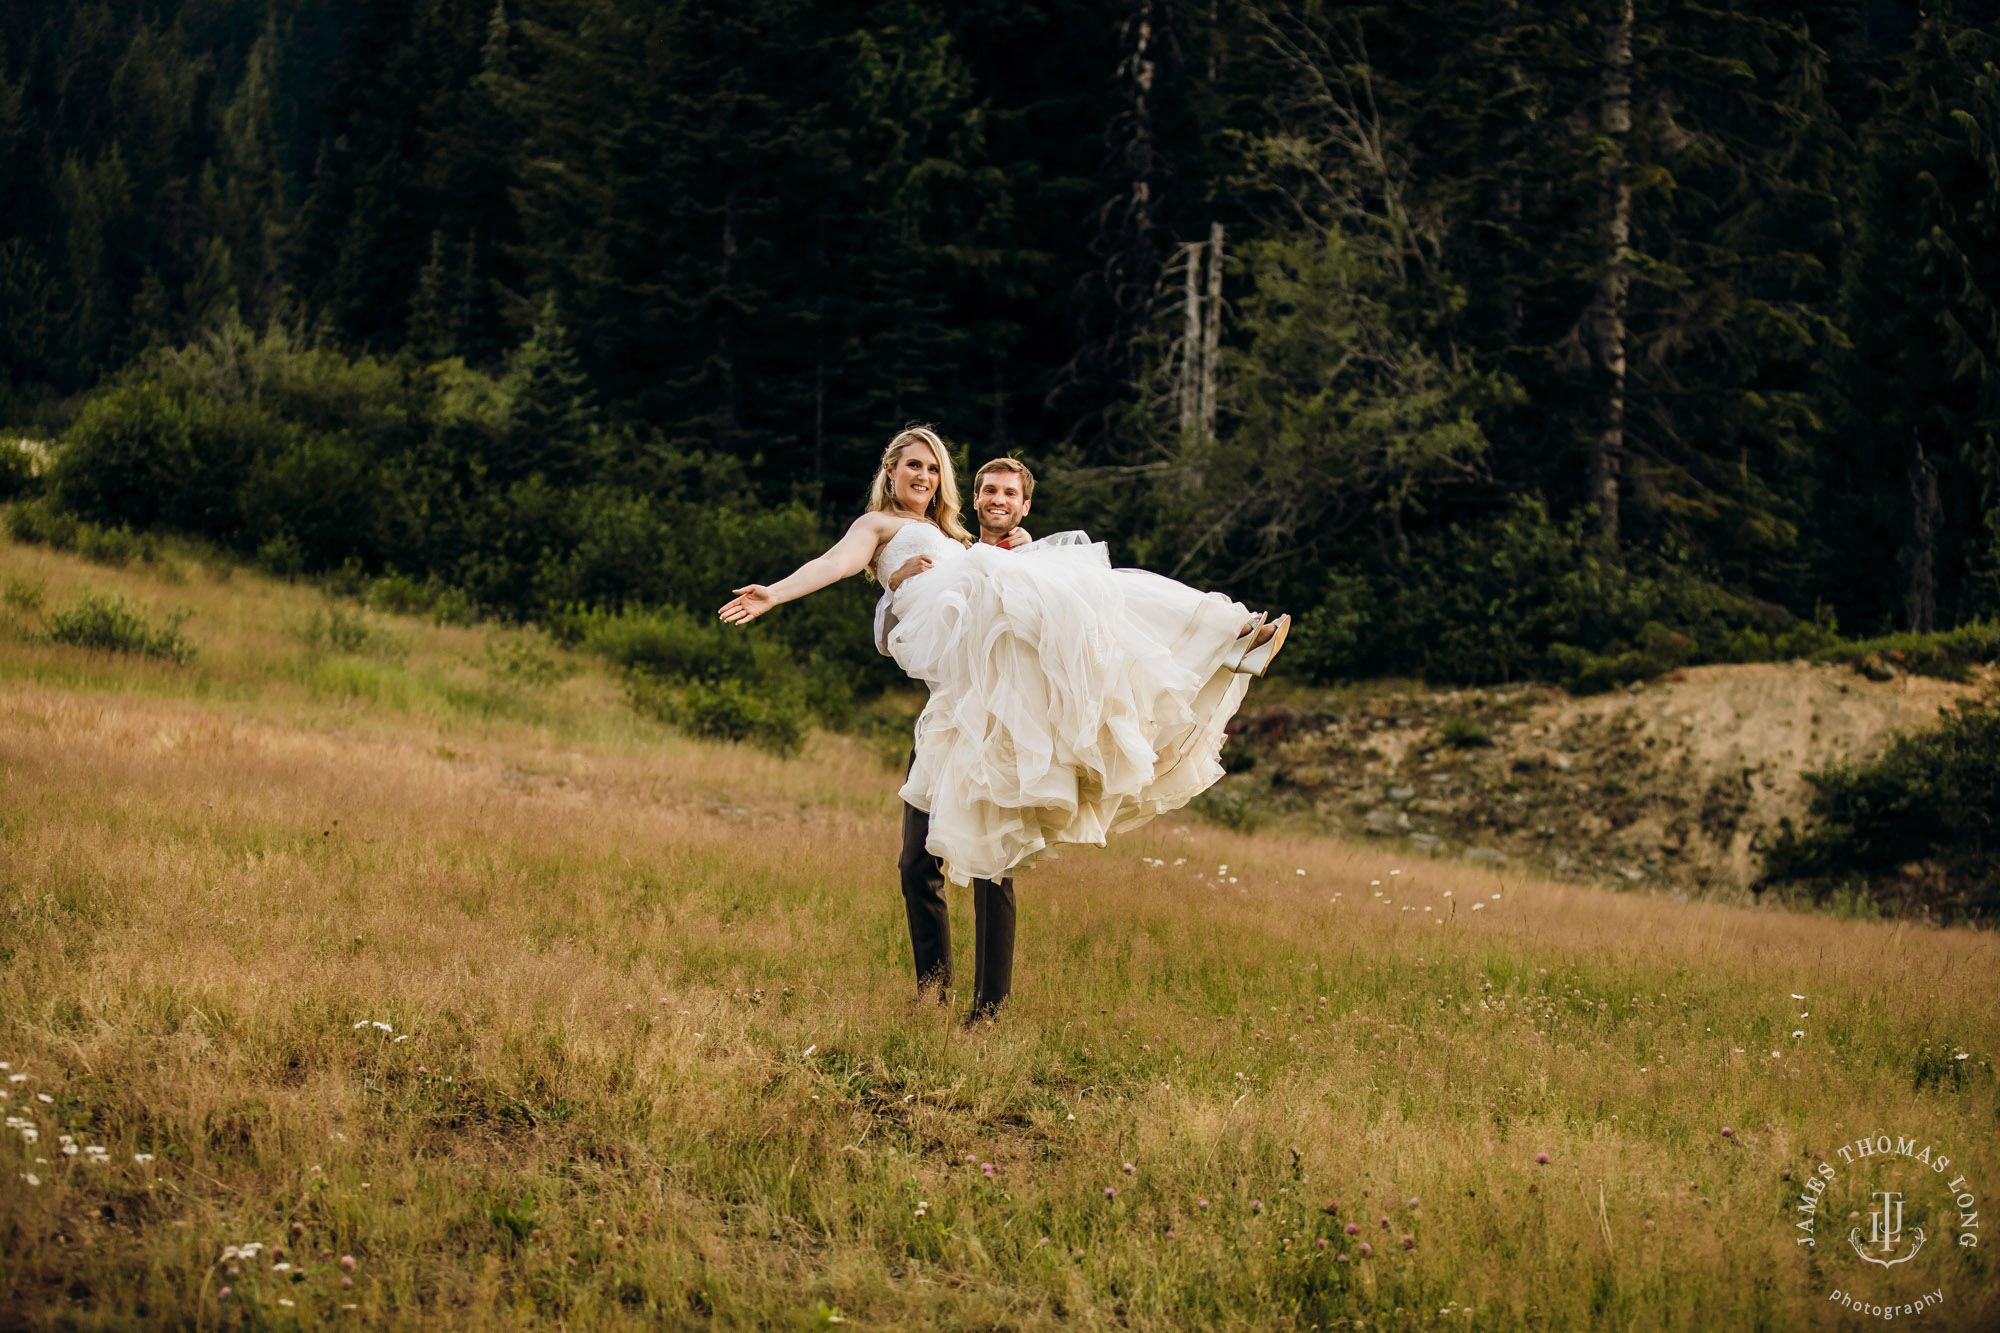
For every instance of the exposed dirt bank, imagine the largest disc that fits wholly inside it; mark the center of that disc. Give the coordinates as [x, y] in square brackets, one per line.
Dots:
[1674, 784]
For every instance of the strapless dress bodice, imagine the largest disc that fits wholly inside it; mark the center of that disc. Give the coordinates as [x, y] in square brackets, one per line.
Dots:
[914, 539]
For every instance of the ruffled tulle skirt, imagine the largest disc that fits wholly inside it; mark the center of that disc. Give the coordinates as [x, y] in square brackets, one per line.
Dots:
[1069, 700]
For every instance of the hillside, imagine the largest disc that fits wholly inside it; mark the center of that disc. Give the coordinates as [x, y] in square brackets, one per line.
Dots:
[1672, 785]
[357, 971]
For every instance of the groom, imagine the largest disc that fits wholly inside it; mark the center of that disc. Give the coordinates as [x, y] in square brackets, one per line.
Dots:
[1002, 491]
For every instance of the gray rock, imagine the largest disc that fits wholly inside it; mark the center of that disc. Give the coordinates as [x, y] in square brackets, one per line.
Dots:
[1385, 823]
[1487, 856]
[1426, 842]
[1401, 793]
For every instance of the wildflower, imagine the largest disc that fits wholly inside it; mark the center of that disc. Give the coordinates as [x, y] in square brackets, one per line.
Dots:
[1201, 1203]
[1728, 1133]
[1409, 1241]
[970, 1158]
[1070, 1116]
[17, 1078]
[1798, 997]
[31, 1178]
[1077, 1253]
[1130, 1169]
[1256, 1205]
[346, 1284]
[1385, 1221]
[222, 1295]
[990, 1170]
[1110, 1193]
[1367, 1250]
[1395, 872]
[44, 1097]
[1477, 906]
[1043, 1241]
[142, 1157]
[283, 1301]
[281, 1268]
[347, 1262]
[1542, 1158]
[1413, 1201]
[1170, 1233]
[1801, 1033]
[1299, 872]
[1322, 1242]
[1340, 1258]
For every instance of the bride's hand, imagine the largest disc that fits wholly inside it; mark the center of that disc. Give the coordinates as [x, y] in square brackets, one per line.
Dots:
[750, 603]
[916, 564]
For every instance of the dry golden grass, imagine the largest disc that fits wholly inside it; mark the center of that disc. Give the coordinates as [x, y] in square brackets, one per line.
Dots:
[659, 1070]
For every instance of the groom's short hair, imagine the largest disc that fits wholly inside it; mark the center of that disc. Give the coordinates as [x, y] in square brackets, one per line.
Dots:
[1007, 465]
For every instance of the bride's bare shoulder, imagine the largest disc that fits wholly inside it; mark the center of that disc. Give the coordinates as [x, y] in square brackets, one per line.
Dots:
[879, 525]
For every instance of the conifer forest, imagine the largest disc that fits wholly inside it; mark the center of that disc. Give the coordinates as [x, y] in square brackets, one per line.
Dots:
[1496, 338]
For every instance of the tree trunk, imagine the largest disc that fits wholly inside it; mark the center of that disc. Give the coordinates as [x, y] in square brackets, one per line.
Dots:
[1920, 557]
[1211, 332]
[1188, 390]
[1510, 174]
[1614, 236]
[724, 351]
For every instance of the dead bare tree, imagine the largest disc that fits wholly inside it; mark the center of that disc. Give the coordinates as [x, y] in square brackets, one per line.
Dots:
[1614, 273]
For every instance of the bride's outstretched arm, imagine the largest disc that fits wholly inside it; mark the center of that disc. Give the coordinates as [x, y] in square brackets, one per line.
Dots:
[848, 556]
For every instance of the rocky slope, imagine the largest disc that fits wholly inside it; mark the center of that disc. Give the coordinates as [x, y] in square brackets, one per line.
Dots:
[1673, 784]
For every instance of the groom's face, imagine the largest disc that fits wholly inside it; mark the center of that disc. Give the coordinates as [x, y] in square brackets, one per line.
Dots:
[999, 503]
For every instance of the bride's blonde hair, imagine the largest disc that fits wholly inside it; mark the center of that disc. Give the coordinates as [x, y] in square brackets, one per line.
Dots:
[944, 508]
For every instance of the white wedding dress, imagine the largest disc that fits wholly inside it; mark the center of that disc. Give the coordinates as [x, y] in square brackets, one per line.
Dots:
[1069, 700]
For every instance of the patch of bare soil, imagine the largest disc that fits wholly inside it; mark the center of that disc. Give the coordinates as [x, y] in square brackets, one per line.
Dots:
[1676, 784]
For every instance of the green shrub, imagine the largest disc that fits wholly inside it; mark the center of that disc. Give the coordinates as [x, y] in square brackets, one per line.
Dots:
[730, 710]
[39, 523]
[21, 463]
[1462, 733]
[24, 596]
[1919, 827]
[1948, 654]
[111, 624]
[526, 657]
[1231, 806]
[333, 629]
[1521, 596]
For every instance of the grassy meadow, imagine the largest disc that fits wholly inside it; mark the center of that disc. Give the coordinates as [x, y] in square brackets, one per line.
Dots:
[359, 938]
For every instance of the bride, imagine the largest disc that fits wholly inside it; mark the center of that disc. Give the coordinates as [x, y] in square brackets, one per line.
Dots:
[1069, 700]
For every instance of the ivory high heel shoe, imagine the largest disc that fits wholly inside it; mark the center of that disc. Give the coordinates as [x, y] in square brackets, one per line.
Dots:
[1264, 645]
